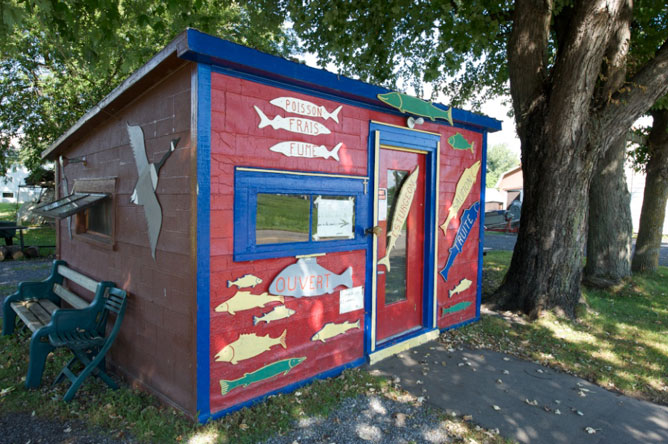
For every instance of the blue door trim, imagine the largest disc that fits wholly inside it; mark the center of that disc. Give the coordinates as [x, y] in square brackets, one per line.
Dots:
[427, 143]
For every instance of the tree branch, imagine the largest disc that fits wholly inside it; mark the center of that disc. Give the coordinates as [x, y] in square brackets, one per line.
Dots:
[648, 85]
[578, 65]
[615, 62]
[526, 49]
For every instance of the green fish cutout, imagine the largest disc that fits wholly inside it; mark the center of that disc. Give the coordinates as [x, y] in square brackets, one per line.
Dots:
[413, 105]
[455, 308]
[266, 372]
[458, 142]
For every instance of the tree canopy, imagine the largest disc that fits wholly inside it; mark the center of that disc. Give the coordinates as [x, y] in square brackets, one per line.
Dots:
[580, 72]
[59, 58]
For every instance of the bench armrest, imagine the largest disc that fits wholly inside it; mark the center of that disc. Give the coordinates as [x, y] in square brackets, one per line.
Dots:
[71, 319]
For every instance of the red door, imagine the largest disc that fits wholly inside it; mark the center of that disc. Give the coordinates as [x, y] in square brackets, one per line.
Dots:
[399, 286]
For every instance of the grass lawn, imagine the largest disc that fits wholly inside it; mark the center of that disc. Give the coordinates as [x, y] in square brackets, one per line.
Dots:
[620, 341]
[35, 235]
[131, 413]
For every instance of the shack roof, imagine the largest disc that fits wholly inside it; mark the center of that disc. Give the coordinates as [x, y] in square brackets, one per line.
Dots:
[195, 46]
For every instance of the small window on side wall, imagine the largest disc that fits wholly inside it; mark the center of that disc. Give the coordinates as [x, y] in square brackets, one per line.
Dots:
[284, 213]
[96, 223]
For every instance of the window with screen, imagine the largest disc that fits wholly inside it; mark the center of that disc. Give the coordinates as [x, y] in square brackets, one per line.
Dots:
[282, 213]
[96, 222]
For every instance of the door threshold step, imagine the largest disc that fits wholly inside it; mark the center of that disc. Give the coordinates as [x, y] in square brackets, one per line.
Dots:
[403, 346]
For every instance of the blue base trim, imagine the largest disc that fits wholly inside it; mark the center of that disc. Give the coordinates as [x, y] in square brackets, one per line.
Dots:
[287, 389]
[203, 235]
[461, 324]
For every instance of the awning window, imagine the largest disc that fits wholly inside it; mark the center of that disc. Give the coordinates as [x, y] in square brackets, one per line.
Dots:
[69, 205]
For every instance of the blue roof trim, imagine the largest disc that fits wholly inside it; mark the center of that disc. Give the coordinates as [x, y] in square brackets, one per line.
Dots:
[205, 48]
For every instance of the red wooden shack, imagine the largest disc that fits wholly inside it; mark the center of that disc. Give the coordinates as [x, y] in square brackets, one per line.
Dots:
[271, 222]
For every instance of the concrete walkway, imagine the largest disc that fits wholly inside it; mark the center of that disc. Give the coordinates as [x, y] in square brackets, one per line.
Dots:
[525, 401]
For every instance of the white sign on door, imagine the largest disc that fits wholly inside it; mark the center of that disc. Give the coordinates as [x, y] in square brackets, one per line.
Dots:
[351, 299]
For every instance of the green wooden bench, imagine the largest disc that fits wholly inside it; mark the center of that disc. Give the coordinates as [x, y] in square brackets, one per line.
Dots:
[82, 329]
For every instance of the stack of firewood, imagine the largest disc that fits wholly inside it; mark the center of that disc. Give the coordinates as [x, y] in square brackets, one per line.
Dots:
[15, 252]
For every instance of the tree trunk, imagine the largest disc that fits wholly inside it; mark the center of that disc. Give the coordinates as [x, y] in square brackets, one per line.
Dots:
[545, 271]
[565, 122]
[610, 225]
[648, 244]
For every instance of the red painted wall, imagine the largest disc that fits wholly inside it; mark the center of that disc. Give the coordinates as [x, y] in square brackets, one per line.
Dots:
[155, 348]
[236, 140]
[465, 266]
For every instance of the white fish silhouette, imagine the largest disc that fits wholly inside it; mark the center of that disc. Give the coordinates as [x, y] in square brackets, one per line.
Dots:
[280, 312]
[306, 108]
[247, 280]
[463, 285]
[293, 148]
[292, 124]
[248, 346]
[332, 329]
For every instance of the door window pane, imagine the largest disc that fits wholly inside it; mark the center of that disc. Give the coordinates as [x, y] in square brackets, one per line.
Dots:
[395, 280]
[282, 218]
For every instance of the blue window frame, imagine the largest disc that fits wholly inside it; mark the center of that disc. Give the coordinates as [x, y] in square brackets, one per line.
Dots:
[251, 182]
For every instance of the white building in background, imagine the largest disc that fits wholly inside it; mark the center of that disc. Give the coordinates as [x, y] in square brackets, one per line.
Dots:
[11, 190]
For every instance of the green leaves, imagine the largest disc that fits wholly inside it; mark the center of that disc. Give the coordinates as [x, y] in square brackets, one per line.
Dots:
[59, 58]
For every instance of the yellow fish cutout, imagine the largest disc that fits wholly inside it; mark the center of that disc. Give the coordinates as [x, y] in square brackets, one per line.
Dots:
[464, 186]
[332, 329]
[248, 346]
[463, 285]
[244, 300]
[245, 281]
[401, 208]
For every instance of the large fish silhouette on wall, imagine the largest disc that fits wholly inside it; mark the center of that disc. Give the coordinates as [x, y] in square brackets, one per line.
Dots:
[147, 182]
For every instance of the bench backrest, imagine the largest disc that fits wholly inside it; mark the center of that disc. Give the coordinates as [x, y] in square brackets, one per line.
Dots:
[106, 296]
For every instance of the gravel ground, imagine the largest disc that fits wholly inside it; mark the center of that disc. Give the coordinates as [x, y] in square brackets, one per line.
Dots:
[23, 428]
[370, 419]
[13, 272]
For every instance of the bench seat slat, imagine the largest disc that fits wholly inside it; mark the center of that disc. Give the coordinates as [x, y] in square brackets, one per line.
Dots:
[78, 278]
[47, 305]
[39, 311]
[28, 318]
[69, 297]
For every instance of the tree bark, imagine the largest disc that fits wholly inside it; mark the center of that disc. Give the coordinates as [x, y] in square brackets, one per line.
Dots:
[610, 225]
[648, 244]
[564, 126]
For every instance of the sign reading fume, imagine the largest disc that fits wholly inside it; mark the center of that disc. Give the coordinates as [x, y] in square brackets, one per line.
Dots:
[335, 218]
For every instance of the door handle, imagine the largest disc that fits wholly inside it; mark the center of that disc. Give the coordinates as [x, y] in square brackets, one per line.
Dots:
[377, 230]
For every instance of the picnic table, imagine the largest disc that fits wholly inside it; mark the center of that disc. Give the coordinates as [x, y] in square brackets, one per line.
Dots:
[8, 231]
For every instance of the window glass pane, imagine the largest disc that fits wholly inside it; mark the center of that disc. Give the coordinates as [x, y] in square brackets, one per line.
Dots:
[282, 218]
[333, 217]
[98, 217]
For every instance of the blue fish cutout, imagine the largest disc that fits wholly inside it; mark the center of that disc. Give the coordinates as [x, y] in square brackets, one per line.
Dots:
[466, 224]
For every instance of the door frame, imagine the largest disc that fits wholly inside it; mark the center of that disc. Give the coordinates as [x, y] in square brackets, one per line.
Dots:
[387, 136]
